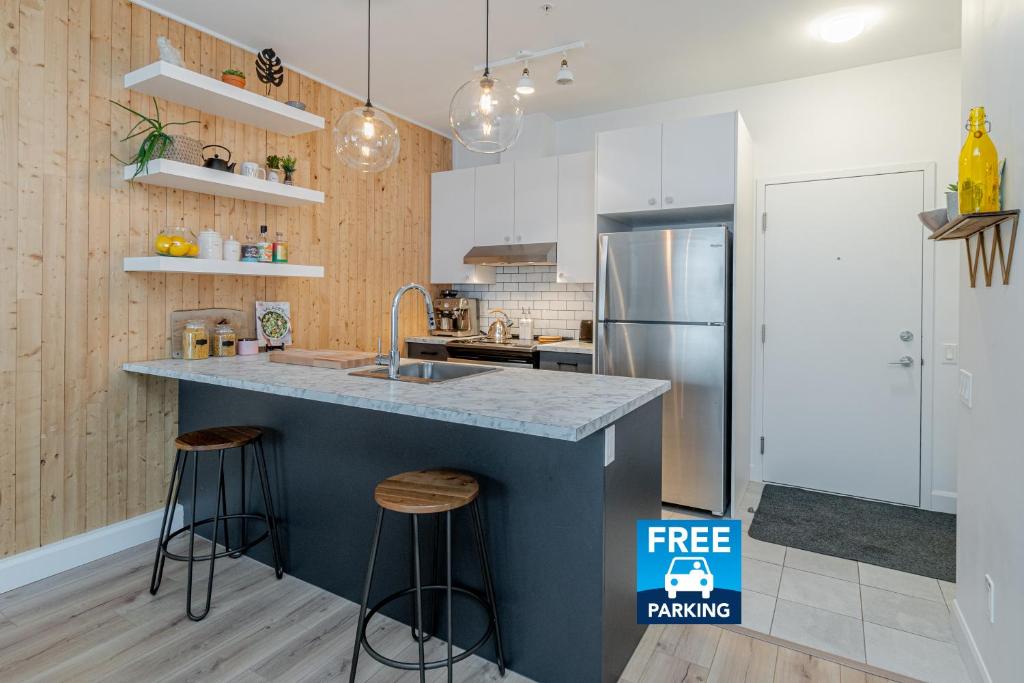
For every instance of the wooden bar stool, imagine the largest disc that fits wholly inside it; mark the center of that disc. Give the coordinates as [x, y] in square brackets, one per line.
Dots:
[194, 445]
[421, 493]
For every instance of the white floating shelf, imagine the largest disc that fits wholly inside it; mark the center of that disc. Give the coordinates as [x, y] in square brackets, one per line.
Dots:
[167, 173]
[171, 264]
[178, 84]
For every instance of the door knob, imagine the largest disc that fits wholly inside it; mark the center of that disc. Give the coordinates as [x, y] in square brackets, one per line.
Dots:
[905, 361]
[652, 201]
[906, 335]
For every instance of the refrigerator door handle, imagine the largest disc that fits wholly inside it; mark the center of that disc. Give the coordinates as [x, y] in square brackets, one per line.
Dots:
[602, 285]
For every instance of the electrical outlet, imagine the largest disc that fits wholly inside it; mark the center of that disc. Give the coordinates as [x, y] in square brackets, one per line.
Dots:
[949, 354]
[967, 388]
[990, 593]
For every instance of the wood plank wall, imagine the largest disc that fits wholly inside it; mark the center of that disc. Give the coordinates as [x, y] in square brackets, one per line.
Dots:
[83, 444]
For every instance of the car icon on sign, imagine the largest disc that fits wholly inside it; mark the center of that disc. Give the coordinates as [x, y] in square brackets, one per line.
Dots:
[689, 574]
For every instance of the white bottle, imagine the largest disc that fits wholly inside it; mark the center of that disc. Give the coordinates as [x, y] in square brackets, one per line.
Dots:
[232, 249]
[526, 327]
[210, 245]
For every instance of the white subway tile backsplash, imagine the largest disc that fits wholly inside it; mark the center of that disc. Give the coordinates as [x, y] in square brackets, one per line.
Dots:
[556, 307]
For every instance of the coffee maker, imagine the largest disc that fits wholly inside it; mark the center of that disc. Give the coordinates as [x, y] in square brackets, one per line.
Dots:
[455, 316]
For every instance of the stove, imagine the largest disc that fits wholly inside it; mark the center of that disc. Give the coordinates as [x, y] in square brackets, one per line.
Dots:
[485, 351]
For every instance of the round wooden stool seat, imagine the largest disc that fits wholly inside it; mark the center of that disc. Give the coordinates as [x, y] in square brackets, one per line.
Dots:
[217, 438]
[425, 492]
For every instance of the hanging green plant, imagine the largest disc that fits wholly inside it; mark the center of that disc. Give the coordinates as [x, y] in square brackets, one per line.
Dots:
[156, 142]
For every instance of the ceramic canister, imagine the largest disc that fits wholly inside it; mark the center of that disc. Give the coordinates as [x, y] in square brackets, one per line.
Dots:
[211, 246]
[248, 347]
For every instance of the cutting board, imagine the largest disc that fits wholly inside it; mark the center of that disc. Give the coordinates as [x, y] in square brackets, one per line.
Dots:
[338, 360]
[210, 316]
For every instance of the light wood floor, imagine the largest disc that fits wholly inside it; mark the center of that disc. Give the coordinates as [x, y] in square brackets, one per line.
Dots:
[99, 623]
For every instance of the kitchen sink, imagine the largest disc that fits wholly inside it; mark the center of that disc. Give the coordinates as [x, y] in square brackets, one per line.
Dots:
[428, 373]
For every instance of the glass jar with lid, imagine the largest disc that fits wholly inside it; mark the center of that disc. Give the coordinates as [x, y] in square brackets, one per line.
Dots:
[224, 341]
[195, 344]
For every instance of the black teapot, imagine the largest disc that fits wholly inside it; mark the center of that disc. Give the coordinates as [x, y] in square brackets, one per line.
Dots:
[216, 163]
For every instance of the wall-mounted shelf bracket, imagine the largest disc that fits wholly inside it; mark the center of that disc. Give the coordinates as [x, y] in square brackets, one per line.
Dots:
[981, 253]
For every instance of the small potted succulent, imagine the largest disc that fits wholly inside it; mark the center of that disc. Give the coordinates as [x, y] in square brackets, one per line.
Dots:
[273, 166]
[233, 77]
[288, 166]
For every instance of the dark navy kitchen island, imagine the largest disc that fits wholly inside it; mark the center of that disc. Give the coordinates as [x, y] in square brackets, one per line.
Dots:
[559, 509]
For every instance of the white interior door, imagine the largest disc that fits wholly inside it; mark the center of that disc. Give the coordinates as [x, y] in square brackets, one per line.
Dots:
[842, 307]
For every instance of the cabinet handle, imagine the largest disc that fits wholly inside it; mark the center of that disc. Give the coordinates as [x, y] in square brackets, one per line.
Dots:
[652, 201]
[669, 200]
[428, 353]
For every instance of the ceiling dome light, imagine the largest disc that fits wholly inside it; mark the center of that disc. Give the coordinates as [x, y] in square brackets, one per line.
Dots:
[525, 86]
[565, 76]
[365, 138]
[841, 27]
[485, 114]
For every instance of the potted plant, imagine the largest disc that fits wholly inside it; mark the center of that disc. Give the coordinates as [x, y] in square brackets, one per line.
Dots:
[233, 77]
[952, 201]
[157, 143]
[273, 166]
[288, 166]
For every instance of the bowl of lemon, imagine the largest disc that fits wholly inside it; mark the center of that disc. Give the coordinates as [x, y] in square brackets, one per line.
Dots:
[178, 242]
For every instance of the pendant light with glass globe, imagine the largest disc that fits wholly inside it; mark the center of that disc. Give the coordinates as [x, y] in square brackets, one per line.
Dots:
[365, 138]
[486, 114]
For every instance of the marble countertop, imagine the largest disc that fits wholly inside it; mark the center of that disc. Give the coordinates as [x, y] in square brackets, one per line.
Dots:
[568, 346]
[556, 405]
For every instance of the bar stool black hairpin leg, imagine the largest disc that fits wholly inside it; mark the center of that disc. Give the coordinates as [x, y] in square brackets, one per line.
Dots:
[243, 485]
[268, 505]
[485, 568]
[173, 491]
[361, 624]
[419, 593]
[213, 544]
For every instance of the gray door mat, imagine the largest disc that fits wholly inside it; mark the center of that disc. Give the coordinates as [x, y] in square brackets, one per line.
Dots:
[903, 538]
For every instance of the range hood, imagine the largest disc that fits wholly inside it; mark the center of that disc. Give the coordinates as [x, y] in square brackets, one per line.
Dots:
[539, 254]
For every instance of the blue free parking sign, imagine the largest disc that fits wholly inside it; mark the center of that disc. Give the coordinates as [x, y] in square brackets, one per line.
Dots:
[688, 572]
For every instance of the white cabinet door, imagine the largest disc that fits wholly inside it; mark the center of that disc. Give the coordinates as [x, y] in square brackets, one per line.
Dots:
[698, 161]
[577, 228]
[495, 204]
[451, 228]
[536, 214]
[629, 170]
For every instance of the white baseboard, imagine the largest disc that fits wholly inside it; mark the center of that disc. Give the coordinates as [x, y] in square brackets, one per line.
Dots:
[944, 501]
[976, 668]
[33, 565]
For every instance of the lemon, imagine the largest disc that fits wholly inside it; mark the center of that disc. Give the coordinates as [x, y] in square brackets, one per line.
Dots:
[179, 248]
[193, 250]
[163, 244]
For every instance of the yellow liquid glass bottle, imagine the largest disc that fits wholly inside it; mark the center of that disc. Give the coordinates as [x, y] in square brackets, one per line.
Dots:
[978, 180]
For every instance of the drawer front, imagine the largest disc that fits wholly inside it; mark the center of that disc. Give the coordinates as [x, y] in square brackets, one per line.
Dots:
[566, 362]
[422, 351]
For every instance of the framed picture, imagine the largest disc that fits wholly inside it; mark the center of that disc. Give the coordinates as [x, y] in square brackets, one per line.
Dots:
[273, 323]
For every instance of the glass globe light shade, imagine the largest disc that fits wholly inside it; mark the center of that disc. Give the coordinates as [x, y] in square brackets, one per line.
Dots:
[366, 139]
[486, 115]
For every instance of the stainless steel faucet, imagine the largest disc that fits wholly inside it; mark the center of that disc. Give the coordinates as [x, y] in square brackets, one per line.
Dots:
[395, 356]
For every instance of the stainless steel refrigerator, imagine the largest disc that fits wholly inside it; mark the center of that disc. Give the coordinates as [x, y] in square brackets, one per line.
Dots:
[663, 312]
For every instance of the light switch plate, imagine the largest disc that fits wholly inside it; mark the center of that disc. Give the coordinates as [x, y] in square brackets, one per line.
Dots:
[967, 388]
[949, 354]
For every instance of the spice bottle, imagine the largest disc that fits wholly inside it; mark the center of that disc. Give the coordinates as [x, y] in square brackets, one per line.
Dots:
[265, 246]
[280, 249]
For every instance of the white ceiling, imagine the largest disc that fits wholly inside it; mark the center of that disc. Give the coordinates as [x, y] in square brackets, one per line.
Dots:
[637, 51]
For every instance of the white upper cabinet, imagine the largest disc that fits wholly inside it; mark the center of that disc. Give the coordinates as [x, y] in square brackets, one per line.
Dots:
[698, 162]
[629, 170]
[577, 228]
[495, 204]
[452, 228]
[536, 200]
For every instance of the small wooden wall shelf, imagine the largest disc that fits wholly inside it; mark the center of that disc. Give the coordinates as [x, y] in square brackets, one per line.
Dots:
[967, 226]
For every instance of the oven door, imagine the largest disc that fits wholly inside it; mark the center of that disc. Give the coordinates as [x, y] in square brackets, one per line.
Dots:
[496, 357]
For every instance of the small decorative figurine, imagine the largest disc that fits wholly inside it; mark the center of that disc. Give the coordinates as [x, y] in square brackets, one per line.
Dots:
[269, 69]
